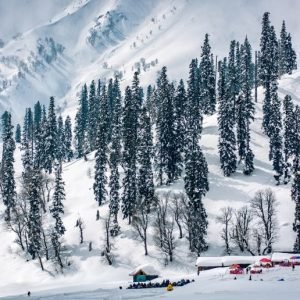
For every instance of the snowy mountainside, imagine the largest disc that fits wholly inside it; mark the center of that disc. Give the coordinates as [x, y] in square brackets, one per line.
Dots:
[89, 270]
[129, 35]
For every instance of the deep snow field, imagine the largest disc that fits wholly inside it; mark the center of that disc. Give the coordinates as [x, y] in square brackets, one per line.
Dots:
[177, 35]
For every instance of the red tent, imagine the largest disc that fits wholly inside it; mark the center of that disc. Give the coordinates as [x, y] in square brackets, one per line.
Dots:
[266, 260]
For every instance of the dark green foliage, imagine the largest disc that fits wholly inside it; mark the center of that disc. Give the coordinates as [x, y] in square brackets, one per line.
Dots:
[68, 139]
[18, 134]
[207, 80]
[129, 134]
[51, 145]
[227, 141]
[7, 185]
[144, 158]
[81, 122]
[57, 208]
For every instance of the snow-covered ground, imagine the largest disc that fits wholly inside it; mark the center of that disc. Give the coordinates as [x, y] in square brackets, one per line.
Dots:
[177, 35]
[215, 284]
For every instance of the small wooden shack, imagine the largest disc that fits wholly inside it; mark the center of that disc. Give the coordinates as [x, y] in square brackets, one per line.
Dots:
[144, 273]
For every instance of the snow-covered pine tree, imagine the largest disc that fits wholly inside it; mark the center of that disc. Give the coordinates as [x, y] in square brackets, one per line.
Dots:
[57, 208]
[144, 158]
[288, 135]
[81, 121]
[207, 79]
[129, 196]
[268, 71]
[28, 132]
[34, 220]
[40, 136]
[50, 138]
[115, 159]
[287, 55]
[196, 177]
[37, 116]
[275, 128]
[18, 134]
[295, 193]
[100, 182]
[166, 148]
[227, 141]
[180, 101]
[68, 139]
[245, 110]
[291, 55]
[233, 79]
[61, 147]
[93, 112]
[8, 185]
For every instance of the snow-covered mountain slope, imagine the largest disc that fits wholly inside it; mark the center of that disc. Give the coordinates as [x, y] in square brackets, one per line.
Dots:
[102, 37]
[95, 44]
[89, 270]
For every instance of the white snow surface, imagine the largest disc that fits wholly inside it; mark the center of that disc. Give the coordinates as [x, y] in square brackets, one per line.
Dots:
[175, 40]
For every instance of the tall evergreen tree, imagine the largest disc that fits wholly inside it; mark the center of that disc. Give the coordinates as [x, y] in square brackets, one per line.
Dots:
[129, 196]
[166, 148]
[275, 127]
[227, 141]
[100, 182]
[68, 139]
[18, 134]
[144, 158]
[35, 219]
[115, 159]
[8, 185]
[57, 208]
[295, 193]
[93, 115]
[51, 138]
[81, 122]
[207, 79]
[245, 110]
[61, 147]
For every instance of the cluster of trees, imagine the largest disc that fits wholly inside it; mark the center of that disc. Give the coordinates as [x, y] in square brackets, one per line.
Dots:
[253, 227]
[34, 212]
[121, 131]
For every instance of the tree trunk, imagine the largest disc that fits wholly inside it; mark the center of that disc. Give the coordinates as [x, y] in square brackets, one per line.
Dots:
[41, 263]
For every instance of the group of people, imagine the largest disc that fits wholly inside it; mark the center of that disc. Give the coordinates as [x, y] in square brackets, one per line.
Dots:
[163, 284]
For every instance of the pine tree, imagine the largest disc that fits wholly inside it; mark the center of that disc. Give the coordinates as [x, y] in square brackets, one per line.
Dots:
[57, 208]
[51, 138]
[40, 137]
[34, 220]
[227, 141]
[101, 153]
[180, 102]
[115, 159]
[275, 127]
[28, 132]
[8, 185]
[288, 134]
[296, 197]
[207, 79]
[68, 139]
[144, 158]
[287, 55]
[245, 110]
[37, 116]
[269, 63]
[233, 79]
[94, 109]
[129, 196]
[61, 147]
[81, 121]
[18, 134]
[166, 149]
